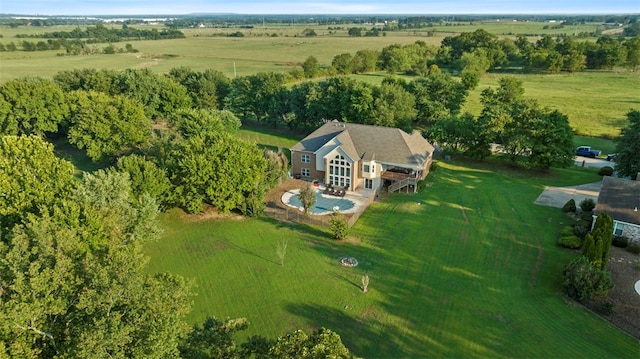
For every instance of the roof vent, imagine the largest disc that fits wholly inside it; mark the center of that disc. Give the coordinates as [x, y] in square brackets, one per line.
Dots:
[636, 209]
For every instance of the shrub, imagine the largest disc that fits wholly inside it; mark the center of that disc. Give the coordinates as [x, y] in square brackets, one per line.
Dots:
[583, 281]
[587, 204]
[434, 166]
[338, 226]
[571, 242]
[620, 241]
[634, 247]
[566, 231]
[581, 229]
[570, 206]
[606, 307]
[606, 171]
[586, 218]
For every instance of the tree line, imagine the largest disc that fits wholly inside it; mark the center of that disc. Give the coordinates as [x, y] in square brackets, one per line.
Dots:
[91, 35]
[73, 277]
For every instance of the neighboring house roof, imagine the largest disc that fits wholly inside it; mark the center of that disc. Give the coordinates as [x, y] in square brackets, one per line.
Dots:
[620, 198]
[382, 144]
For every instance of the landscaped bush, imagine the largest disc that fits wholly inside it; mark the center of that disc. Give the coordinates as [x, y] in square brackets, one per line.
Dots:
[587, 204]
[566, 231]
[620, 241]
[586, 218]
[606, 171]
[583, 281]
[570, 206]
[572, 242]
[634, 247]
[581, 229]
[434, 166]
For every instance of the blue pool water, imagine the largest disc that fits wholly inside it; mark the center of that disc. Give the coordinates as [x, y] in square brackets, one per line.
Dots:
[323, 204]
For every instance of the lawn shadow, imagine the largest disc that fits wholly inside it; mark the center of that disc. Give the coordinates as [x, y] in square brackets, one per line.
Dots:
[246, 251]
[343, 278]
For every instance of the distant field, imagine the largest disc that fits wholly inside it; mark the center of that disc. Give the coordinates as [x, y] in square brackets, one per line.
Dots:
[596, 102]
[466, 268]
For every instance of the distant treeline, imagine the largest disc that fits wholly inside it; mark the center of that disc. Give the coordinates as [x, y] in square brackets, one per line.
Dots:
[100, 34]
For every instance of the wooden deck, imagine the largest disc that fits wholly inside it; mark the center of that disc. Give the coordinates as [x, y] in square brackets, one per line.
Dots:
[396, 176]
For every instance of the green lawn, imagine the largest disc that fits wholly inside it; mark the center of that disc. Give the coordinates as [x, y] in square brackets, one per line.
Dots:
[466, 268]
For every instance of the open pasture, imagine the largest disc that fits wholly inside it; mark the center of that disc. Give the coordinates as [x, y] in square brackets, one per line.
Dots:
[466, 268]
[596, 102]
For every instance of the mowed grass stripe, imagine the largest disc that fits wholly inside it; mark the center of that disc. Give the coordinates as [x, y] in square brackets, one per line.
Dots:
[471, 271]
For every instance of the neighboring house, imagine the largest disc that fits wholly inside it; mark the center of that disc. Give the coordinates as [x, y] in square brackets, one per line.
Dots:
[357, 156]
[620, 198]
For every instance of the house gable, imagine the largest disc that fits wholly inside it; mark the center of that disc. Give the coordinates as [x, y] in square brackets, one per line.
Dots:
[620, 199]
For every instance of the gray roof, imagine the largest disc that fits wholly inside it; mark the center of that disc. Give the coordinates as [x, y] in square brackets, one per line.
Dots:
[382, 144]
[619, 198]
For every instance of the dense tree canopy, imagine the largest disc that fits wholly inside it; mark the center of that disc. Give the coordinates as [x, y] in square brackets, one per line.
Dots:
[159, 94]
[207, 89]
[74, 285]
[31, 177]
[104, 125]
[31, 106]
[221, 170]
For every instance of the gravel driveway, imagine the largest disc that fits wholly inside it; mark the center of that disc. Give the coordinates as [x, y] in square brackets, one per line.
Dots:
[558, 196]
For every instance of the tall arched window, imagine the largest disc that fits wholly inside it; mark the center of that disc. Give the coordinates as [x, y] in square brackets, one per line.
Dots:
[340, 172]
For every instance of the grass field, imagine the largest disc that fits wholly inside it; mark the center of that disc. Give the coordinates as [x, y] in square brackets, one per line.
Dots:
[596, 102]
[471, 271]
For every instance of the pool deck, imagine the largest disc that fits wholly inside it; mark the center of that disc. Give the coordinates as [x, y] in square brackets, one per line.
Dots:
[359, 199]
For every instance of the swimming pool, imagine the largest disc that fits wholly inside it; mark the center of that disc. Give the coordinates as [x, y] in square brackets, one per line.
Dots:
[324, 203]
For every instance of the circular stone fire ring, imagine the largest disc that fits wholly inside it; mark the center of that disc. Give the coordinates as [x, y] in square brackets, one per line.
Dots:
[348, 261]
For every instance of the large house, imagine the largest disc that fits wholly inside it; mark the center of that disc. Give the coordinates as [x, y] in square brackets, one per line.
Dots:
[620, 199]
[356, 156]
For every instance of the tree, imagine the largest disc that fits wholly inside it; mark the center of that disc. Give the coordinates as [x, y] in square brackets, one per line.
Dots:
[355, 31]
[218, 169]
[207, 89]
[365, 61]
[159, 94]
[83, 291]
[323, 343]
[214, 339]
[37, 107]
[532, 137]
[31, 177]
[307, 196]
[633, 52]
[104, 125]
[310, 67]
[393, 59]
[393, 107]
[338, 226]
[583, 281]
[281, 251]
[146, 177]
[628, 155]
[87, 79]
[598, 242]
[261, 96]
[192, 122]
[343, 63]
[437, 96]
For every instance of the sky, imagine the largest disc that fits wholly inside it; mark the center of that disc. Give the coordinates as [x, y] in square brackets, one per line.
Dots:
[177, 7]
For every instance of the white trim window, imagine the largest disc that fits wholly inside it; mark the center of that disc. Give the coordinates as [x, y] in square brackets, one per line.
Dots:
[618, 228]
[305, 159]
[366, 168]
[340, 172]
[368, 183]
[305, 172]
